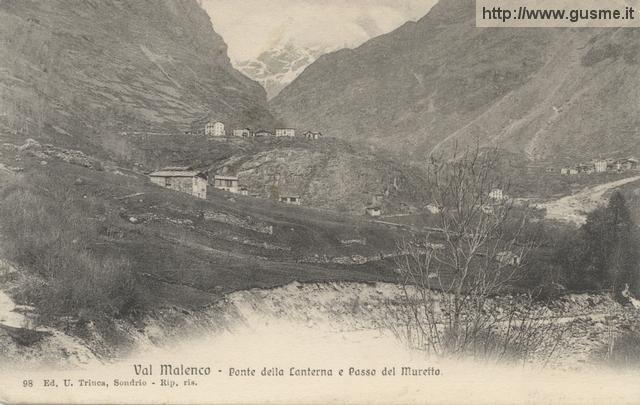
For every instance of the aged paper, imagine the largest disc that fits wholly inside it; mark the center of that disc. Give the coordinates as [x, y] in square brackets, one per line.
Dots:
[319, 201]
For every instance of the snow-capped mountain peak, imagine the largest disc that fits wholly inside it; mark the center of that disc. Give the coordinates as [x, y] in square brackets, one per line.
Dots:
[274, 69]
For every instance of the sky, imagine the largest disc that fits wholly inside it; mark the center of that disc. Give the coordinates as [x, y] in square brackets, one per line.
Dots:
[250, 27]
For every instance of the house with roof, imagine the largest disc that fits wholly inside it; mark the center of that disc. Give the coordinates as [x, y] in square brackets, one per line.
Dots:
[587, 168]
[312, 135]
[183, 179]
[600, 166]
[373, 210]
[285, 133]
[242, 133]
[262, 133]
[508, 258]
[291, 199]
[625, 164]
[497, 194]
[433, 208]
[227, 183]
[214, 128]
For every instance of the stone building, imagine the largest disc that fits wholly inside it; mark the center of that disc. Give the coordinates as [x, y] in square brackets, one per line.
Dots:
[508, 258]
[214, 128]
[285, 133]
[242, 133]
[183, 179]
[600, 166]
[375, 208]
[312, 135]
[227, 183]
[497, 194]
[290, 199]
[262, 133]
[374, 211]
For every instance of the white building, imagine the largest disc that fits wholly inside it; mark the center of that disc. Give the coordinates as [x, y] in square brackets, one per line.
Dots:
[374, 211]
[509, 258]
[214, 128]
[600, 166]
[227, 183]
[290, 199]
[285, 132]
[242, 133]
[312, 135]
[262, 133]
[496, 194]
[434, 209]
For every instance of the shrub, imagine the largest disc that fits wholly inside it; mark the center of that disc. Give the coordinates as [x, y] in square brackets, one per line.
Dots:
[47, 230]
[453, 281]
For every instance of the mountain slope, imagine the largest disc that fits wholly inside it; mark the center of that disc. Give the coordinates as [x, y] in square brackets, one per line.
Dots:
[550, 94]
[94, 96]
[82, 71]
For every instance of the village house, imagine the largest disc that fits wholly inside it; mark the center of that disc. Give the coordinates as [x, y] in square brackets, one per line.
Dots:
[262, 133]
[214, 128]
[569, 171]
[586, 168]
[227, 183]
[285, 133]
[290, 199]
[600, 166]
[508, 258]
[497, 194]
[375, 208]
[625, 164]
[373, 211]
[242, 133]
[183, 179]
[434, 209]
[312, 135]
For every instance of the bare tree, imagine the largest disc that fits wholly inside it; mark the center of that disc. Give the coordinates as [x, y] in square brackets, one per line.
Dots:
[456, 282]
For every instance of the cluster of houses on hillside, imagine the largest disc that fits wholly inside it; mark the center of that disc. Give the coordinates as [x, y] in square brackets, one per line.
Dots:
[195, 182]
[217, 129]
[601, 166]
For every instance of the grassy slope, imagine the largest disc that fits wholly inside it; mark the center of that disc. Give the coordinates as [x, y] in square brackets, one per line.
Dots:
[184, 259]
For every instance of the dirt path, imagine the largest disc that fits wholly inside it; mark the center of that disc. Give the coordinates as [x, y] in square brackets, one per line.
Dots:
[573, 208]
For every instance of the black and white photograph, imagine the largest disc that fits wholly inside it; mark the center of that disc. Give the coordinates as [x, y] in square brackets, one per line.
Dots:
[319, 201]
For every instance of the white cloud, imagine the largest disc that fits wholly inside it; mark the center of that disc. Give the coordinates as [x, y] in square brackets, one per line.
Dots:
[252, 26]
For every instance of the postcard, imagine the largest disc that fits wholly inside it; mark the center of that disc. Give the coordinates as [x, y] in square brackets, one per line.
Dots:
[319, 202]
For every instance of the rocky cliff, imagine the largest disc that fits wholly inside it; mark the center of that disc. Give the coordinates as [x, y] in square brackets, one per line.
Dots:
[80, 72]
